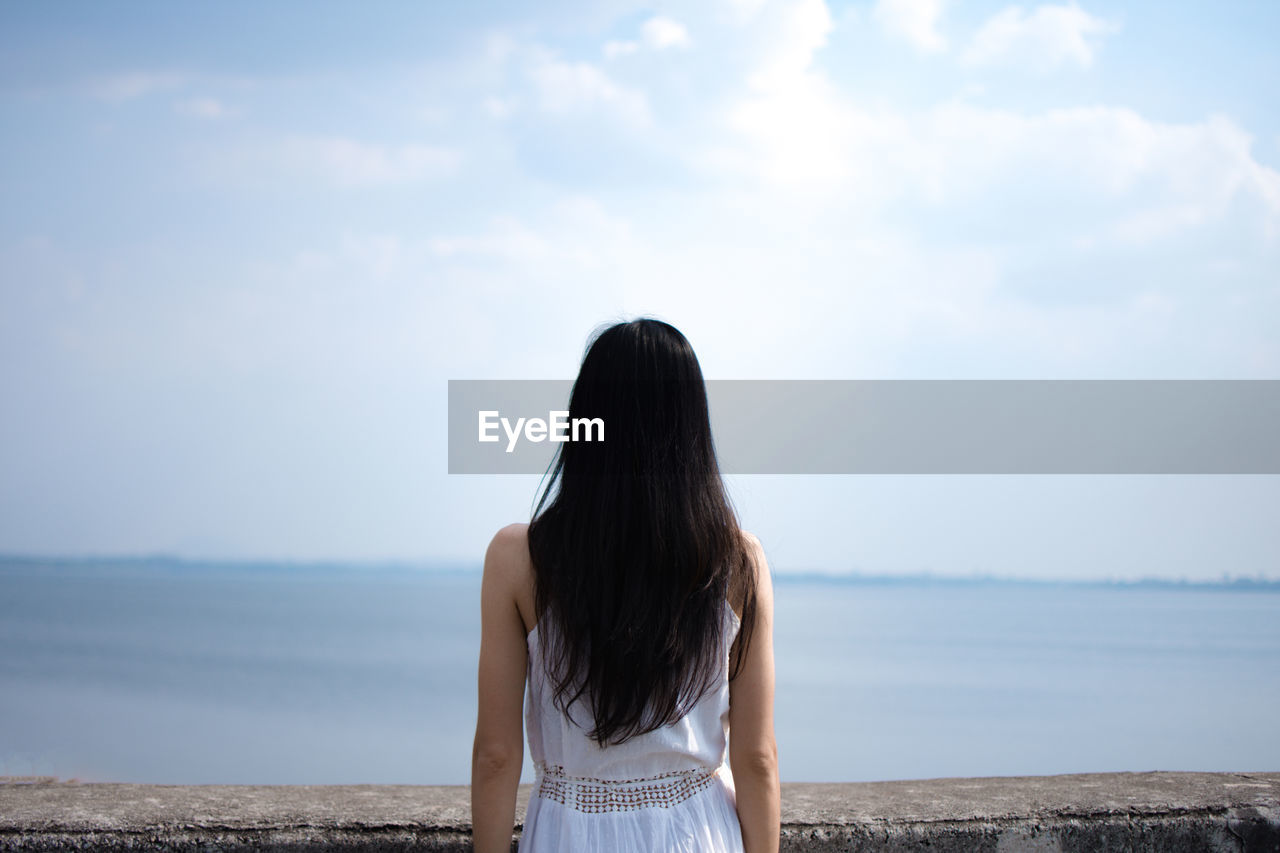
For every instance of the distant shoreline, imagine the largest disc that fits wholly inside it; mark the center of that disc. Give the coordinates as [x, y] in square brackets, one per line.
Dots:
[168, 565]
[1242, 584]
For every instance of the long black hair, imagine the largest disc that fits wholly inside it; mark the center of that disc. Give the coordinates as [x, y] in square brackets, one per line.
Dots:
[637, 550]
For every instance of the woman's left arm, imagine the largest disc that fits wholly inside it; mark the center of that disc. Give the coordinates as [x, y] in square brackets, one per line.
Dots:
[498, 752]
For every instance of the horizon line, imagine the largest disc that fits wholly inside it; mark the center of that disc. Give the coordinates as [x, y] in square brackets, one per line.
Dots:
[785, 575]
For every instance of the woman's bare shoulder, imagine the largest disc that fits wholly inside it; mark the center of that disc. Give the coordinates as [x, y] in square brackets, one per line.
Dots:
[513, 536]
[755, 569]
[507, 562]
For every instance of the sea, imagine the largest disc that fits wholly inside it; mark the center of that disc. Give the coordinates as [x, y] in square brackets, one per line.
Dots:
[167, 671]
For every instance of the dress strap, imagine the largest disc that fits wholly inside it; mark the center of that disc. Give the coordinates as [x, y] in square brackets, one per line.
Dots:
[588, 794]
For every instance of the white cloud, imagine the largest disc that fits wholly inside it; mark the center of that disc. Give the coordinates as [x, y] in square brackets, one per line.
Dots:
[205, 108]
[796, 32]
[367, 255]
[660, 33]
[796, 140]
[1048, 37]
[914, 20]
[1111, 152]
[340, 161]
[1153, 223]
[564, 86]
[507, 238]
[742, 11]
[135, 84]
[356, 163]
[1105, 172]
[792, 120]
[575, 231]
[380, 254]
[496, 107]
[657, 33]
[614, 49]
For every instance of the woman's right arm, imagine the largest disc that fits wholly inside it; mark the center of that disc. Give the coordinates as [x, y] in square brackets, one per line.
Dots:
[498, 750]
[753, 751]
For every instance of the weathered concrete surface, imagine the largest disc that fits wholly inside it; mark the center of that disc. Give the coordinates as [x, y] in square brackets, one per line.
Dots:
[1106, 811]
[1079, 812]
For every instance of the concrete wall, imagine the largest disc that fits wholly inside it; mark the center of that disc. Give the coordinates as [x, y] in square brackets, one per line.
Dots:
[1105, 811]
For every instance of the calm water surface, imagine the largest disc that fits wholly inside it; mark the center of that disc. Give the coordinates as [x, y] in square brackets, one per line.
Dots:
[173, 673]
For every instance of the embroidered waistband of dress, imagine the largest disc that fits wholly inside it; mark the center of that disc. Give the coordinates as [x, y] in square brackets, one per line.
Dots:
[588, 794]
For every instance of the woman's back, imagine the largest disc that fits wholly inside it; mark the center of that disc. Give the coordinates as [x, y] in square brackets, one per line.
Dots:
[666, 789]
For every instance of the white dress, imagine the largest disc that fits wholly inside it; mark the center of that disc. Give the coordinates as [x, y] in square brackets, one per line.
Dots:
[667, 790]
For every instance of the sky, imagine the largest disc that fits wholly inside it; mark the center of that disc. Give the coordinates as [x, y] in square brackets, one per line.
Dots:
[243, 248]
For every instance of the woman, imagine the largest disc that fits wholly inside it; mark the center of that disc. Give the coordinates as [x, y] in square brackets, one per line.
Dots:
[642, 616]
